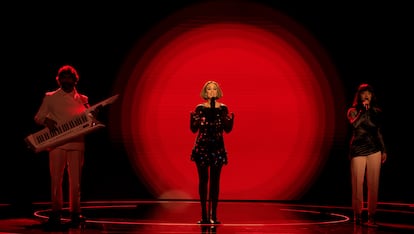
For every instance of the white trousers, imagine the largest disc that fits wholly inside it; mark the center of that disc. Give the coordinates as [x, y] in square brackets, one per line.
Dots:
[365, 167]
[59, 160]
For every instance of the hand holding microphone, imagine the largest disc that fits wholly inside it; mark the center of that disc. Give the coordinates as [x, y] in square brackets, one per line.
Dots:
[213, 102]
[211, 113]
[366, 104]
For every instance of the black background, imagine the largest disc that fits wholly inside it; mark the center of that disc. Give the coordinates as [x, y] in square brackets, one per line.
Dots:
[367, 42]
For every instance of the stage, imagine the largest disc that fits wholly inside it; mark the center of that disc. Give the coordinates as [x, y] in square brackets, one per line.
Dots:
[181, 216]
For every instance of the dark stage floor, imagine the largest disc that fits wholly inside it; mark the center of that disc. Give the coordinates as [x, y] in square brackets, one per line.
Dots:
[236, 217]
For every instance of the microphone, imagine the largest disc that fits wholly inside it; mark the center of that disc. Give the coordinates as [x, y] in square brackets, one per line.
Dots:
[213, 103]
[212, 112]
[366, 103]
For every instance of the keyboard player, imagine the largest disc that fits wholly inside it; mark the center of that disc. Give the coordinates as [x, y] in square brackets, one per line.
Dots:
[57, 106]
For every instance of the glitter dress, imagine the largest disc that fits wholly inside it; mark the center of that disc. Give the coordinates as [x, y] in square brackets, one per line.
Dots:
[210, 123]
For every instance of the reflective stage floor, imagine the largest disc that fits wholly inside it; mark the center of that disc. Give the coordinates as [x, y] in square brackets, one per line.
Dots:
[181, 217]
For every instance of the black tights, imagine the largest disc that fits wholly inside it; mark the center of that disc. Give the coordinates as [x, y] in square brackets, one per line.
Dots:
[212, 194]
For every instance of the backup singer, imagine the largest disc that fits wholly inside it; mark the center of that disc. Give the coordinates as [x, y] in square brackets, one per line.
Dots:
[367, 151]
[210, 119]
[58, 106]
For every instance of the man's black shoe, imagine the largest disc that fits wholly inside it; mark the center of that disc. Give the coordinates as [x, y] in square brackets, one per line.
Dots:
[77, 220]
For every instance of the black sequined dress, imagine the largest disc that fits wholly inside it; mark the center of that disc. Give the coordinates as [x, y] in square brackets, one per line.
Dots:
[210, 123]
[366, 134]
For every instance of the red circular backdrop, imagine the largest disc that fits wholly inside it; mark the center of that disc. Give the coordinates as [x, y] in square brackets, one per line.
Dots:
[275, 78]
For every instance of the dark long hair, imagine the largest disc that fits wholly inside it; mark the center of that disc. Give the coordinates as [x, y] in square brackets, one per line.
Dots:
[357, 103]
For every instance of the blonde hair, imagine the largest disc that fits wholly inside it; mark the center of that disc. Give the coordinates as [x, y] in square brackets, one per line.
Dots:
[203, 93]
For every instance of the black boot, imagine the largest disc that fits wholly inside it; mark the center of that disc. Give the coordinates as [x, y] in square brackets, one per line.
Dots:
[77, 219]
[214, 219]
[204, 219]
[54, 218]
[371, 221]
[54, 222]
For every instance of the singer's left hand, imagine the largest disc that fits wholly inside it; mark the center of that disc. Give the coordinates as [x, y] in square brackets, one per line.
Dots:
[229, 116]
[383, 157]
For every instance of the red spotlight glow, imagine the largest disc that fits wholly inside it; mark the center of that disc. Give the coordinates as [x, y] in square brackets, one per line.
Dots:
[280, 91]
